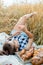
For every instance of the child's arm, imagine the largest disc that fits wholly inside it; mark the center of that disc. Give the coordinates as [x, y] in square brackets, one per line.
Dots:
[29, 45]
[31, 37]
[29, 34]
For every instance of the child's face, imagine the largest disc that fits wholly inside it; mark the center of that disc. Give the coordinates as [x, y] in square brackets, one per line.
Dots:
[14, 44]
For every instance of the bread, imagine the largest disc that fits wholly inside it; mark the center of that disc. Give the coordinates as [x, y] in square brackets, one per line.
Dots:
[23, 57]
[37, 57]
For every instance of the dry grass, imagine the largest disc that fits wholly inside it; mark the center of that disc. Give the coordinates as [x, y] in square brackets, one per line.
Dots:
[10, 16]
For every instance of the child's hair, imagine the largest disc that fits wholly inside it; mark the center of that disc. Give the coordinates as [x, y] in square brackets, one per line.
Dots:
[8, 49]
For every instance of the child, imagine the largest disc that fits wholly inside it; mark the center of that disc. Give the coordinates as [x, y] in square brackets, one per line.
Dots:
[21, 37]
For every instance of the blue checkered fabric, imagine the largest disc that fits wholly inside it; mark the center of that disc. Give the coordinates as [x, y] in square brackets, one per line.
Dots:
[22, 39]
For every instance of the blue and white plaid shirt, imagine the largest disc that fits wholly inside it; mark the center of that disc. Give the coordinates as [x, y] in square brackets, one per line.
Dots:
[22, 39]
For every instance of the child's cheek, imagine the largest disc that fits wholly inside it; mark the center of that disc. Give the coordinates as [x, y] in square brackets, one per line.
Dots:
[17, 49]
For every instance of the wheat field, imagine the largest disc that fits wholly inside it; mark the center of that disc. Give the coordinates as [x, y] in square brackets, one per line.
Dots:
[10, 15]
